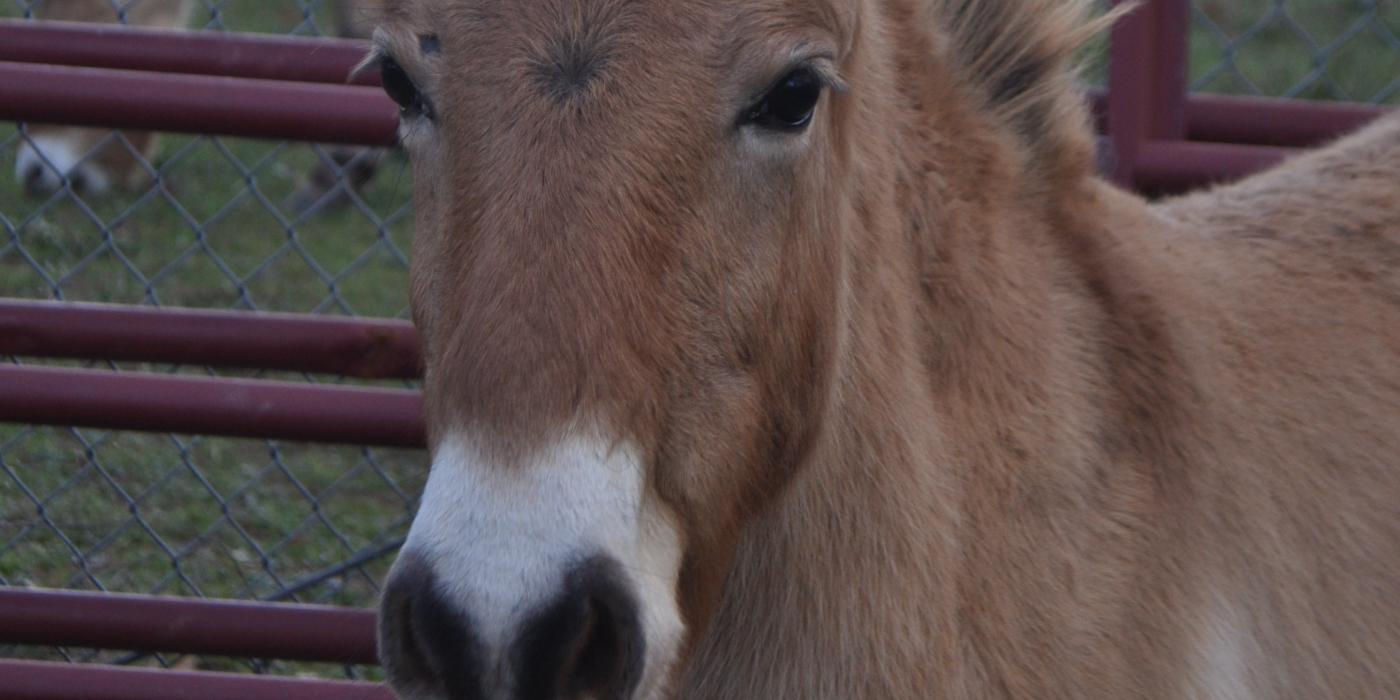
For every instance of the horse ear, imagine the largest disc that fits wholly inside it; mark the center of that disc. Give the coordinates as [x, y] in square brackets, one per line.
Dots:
[1020, 56]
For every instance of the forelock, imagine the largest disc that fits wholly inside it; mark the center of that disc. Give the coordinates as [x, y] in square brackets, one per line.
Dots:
[1019, 56]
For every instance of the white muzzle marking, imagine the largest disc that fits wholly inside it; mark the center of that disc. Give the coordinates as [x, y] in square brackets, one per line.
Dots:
[55, 158]
[500, 540]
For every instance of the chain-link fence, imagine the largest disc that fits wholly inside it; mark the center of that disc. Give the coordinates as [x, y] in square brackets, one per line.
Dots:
[1309, 49]
[91, 215]
[231, 223]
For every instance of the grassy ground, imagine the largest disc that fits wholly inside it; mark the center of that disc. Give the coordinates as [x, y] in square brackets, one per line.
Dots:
[241, 518]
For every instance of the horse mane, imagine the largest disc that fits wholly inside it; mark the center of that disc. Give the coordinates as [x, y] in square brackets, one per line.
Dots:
[1020, 58]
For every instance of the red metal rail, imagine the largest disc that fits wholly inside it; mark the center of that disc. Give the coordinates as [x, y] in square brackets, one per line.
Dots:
[367, 348]
[196, 104]
[1260, 121]
[1166, 141]
[194, 626]
[266, 56]
[37, 680]
[1176, 166]
[1146, 81]
[206, 406]
[1272, 122]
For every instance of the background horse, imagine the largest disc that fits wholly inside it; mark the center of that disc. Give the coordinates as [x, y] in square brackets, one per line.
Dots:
[96, 160]
[93, 160]
[341, 168]
[794, 349]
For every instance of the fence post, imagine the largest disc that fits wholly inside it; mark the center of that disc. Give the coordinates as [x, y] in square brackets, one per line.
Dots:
[1147, 80]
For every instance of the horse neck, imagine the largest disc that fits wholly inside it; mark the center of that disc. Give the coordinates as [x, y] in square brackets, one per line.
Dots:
[963, 353]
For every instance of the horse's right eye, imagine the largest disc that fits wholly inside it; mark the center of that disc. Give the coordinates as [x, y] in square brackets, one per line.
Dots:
[402, 90]
[788, 105]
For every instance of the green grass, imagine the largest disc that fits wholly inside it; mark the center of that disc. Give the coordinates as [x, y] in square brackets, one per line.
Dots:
[1319, 49]
[212, 236]
[245, 517]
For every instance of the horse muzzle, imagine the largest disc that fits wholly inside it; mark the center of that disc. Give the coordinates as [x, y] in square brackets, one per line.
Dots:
[586, 641]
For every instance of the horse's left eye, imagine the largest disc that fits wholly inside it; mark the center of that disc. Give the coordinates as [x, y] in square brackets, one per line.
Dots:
[788, 105]
[402, 90]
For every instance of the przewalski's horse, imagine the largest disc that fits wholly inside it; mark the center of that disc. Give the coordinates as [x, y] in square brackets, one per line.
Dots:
[793, 349]
[93, 160]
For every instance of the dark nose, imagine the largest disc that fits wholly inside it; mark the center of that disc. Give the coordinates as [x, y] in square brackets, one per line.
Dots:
[34, 180]
[79, 181]
[427, 646]
[587, 643]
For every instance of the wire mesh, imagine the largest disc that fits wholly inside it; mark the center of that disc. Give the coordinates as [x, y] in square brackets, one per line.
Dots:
[202, 221]
[1309, 49]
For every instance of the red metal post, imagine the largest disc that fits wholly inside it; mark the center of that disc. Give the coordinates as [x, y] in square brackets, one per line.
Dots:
[38, 680]
[205, 406]
[368, 348]
[1176, 166]
[1147, 80]
[196, 104]
[190, 625]
[162, 50]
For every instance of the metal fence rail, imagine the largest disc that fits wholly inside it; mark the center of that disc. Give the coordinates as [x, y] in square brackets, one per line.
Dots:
[246, 408]
[223, 223]
[219, 628]
[195, 104]
[267, 57]
[365, 348]
[37, 680]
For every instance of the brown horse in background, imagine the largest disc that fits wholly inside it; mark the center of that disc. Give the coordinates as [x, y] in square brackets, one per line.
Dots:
[794, 349]
[341, 169]
[93, 160]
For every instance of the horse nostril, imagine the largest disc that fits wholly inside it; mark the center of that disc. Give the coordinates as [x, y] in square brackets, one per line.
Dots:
[78, 181]
[398, 653]
[598, 656]
[34, 180]
[587, 644]
[426, 646]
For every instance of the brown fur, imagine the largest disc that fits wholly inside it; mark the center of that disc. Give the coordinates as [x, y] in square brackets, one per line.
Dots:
[942, 413]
